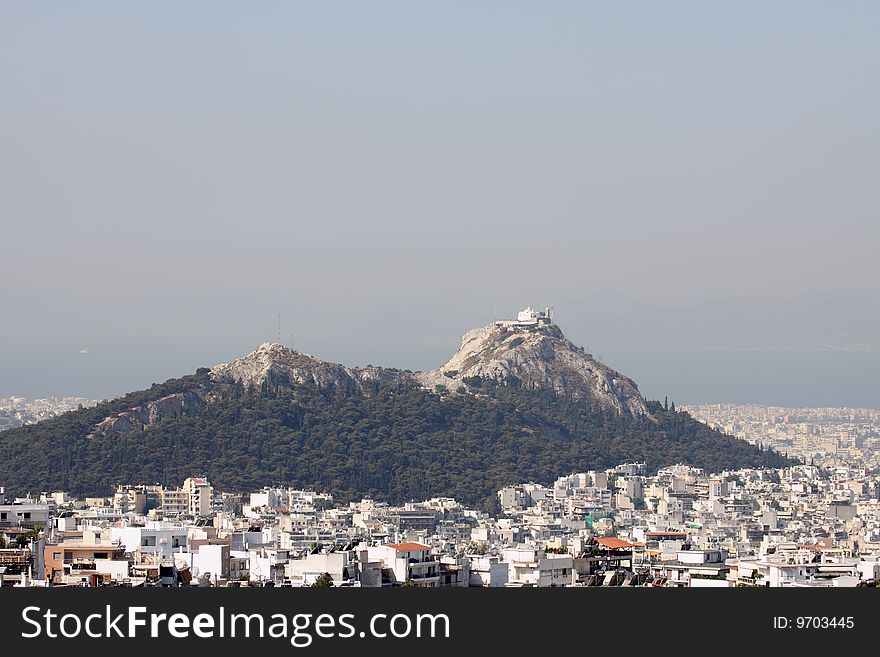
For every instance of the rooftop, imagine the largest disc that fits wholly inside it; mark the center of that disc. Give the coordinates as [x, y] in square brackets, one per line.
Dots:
[613, 543]
[409, 547]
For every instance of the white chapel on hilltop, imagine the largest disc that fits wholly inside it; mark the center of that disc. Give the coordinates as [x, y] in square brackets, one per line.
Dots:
[527, 317]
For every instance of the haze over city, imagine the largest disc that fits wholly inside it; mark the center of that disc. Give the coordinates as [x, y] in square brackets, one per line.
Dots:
[699, 205]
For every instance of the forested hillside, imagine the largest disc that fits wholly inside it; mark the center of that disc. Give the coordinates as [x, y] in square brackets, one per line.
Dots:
[393, 442]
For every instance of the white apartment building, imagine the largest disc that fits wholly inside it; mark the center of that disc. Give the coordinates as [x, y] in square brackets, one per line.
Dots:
[199, 497]
[173, 501]
[488, 571]
[25, 513]
[408, 561]
[267, 564]
[209, 562]
[695, 569]
[781, 570]
[304, 572]
[532, 567]
[155, 541]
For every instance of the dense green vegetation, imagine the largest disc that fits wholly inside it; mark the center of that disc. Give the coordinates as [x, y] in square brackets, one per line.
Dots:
[393, 443]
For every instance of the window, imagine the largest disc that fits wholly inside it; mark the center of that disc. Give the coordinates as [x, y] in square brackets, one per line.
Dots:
[56, 556]
[27, 515]
[2, 516]
[100, 555]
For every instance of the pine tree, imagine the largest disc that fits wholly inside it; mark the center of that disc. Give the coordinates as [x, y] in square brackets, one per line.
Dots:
[323, 581]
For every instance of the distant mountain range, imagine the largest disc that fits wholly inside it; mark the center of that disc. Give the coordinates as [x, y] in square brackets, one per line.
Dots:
[517, 402]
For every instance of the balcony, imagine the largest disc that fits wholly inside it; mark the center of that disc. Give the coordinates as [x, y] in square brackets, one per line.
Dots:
[425, 560]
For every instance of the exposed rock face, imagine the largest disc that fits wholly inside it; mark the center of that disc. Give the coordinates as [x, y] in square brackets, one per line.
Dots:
[535, 356]
[381, 374]
[275, 363]
[538, 356]
[140, 417]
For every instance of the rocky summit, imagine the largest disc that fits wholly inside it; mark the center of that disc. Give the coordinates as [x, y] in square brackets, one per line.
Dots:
[277, 364]
[522, 353]
[536, 356]
[530, 353]
[517, 402]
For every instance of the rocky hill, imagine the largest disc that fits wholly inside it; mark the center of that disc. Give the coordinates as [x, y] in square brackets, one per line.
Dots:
[516, 402]
[275, 364]
[536, 357]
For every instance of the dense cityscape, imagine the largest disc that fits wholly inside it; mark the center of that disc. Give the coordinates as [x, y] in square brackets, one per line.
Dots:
[803, 526]
[19, 411]
[824, 436]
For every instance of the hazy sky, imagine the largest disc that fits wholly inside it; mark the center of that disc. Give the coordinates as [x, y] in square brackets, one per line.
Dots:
[692, 185]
